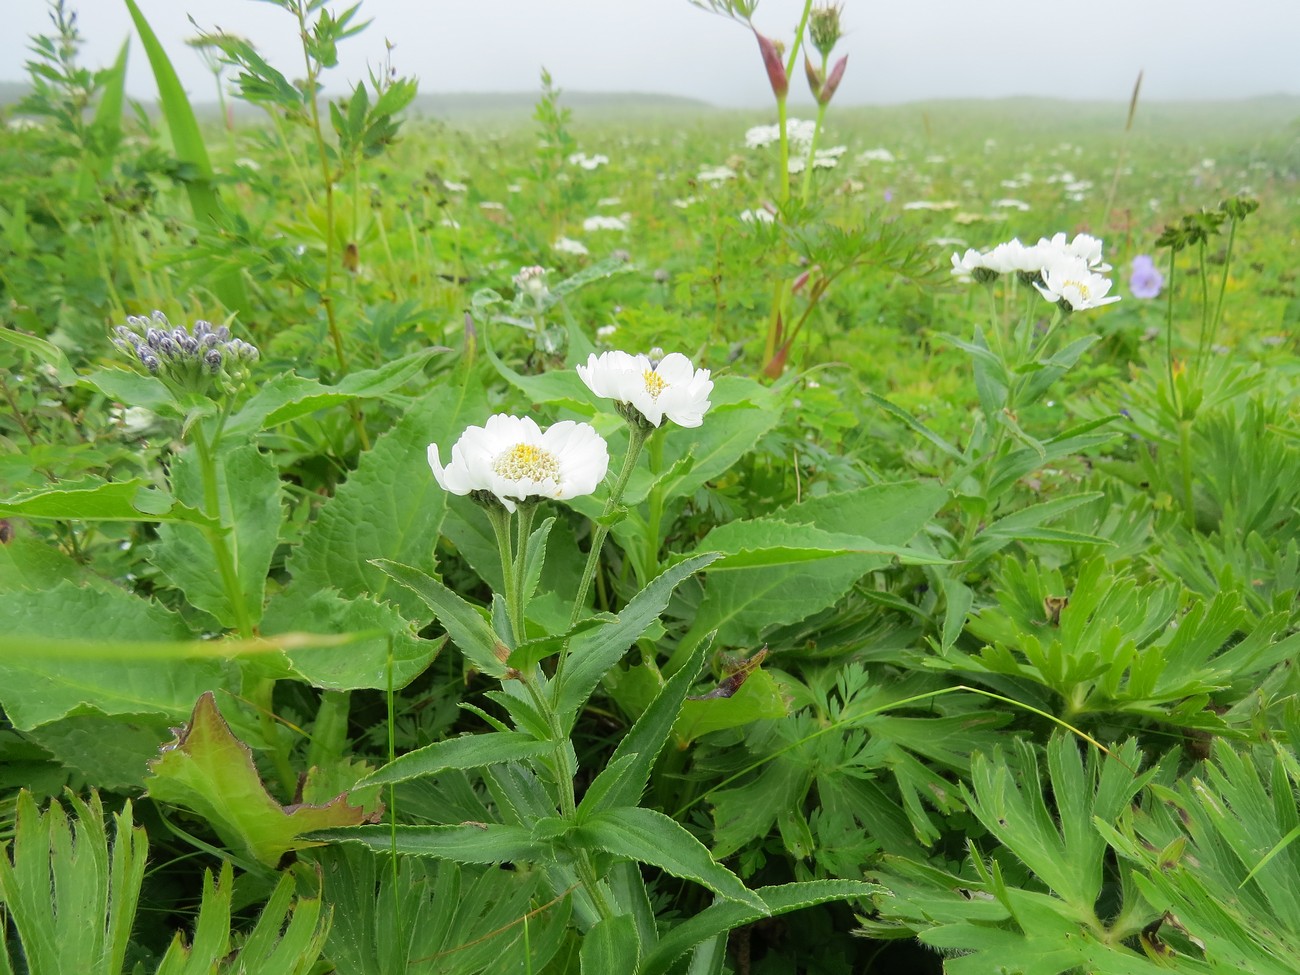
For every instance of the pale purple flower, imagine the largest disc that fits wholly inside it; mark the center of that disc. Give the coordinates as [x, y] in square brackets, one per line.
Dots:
[1145, 281]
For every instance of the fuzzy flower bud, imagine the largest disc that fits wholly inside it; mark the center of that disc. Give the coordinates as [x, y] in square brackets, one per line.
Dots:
[200, 359]
[824, 28]
[832, 81]
[772, 62]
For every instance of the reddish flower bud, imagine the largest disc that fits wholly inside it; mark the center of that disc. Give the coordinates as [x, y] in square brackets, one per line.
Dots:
[775, 69]
[832, 81]
[815, 78]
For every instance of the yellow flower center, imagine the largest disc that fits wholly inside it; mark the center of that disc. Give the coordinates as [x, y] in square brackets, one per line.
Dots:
[1084, 291]
[654, 383]
[527, 461]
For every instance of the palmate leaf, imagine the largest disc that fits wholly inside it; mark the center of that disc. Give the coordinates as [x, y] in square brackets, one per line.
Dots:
[210, 771]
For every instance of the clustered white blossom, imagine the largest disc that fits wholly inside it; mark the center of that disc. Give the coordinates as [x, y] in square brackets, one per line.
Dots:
[601, 222]
[799, 131]
[588, 162]
[1068, 273]
[511, 460]
[566, 245]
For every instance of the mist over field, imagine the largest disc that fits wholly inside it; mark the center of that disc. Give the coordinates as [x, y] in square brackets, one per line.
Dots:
[1198, 49]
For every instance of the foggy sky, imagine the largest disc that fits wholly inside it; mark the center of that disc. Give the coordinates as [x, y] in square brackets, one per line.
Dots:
[899, 50]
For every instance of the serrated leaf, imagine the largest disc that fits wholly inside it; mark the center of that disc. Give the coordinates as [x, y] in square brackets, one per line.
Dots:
[468, 843]
[611, 945]
[96, 500]
[651, 837]
[211, 772]
[726, 915]
[389, 508]
[465, 752]
[37, 686]
[248, 496]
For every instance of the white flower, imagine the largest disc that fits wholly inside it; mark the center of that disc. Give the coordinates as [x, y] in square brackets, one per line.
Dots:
[1010, 204]
[876, 155]
[965, 265]
[588, 162]
[715, 174]
[566, 245]
[1084, 247]
[603, 223]
[514, 460]
[757, 216]
[1070, 283]
[532, 281]
[671, 387]
[799, 132]
[452, 186]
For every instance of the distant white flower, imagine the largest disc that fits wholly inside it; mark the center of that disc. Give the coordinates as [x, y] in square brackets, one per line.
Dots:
[1010, 204]
[245, 163]
[757, 216]
[715, 174]
[1071, 284]
[588, 162]
[513, 459]
[449, 223]
[605, 331]
[671, 387]
[686, 202]
[451, 186]
[491, 205]
[609, 201]
[603, 223]
[798, 131]
[514, 188]
[567, 245]
[931, 205]
[876, 155]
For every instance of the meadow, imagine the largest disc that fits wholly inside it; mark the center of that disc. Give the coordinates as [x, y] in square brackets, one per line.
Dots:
[609, 535]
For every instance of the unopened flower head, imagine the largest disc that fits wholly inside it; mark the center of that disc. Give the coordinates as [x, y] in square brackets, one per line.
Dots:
[187, 359]
[531, 281]
[511, 459]
[649, 388]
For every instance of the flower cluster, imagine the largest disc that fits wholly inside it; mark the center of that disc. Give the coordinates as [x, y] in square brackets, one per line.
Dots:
[511, 460]
[1068, 273]
[531, 281]
[190, 358]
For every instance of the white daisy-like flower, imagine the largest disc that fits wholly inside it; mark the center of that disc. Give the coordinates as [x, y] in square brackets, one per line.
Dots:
[1085, 247]
[1070, 283]
[798, 131]
[671, 387]
[715, 174]
[513, 459]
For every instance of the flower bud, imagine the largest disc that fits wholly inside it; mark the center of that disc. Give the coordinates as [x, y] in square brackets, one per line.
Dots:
[772, 62]
[815, 77]
[832, 81]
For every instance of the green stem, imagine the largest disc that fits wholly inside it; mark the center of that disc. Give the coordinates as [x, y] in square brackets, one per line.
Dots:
[216, 535]
[524, 527]
[636, 438]
[656, 504]
[1185, 463]
[1169, 335]
[392, 786]
[806, 190]
[500, 519]
[329, 733]
[784, 175]
[1223, 283]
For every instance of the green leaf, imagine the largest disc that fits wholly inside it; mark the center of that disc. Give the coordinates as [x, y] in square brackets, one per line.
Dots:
[44, 351]
[288, 396]
[465, 752]
[134, 500]
[651, 837]
[187, 141]
[612, 945]
[211, 772]
[466, 626]
[37, 686]
[360, 657]
[134, 389]
[627, 772]
[741, 602]
[466, 843]
[757, 698]
[390, 508]
[727, 915]
[248, 496]
[594, 652]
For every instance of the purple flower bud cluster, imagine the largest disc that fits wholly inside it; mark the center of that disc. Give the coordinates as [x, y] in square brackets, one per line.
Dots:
[156, 345]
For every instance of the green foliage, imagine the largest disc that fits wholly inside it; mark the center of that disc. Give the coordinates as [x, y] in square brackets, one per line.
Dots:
[210, 771]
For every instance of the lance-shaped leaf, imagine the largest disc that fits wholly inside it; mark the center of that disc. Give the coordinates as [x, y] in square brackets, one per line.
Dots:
[463, 843]
[211, 772]
[651, 837]
[467, 751]
[727, 915]
[95, 500]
